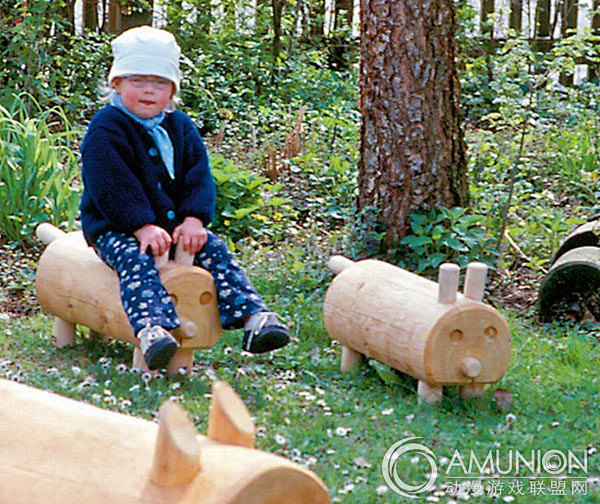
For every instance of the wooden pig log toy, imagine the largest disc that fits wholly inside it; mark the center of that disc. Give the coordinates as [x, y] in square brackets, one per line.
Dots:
[74, 284]
[425, 329]
[58, 450]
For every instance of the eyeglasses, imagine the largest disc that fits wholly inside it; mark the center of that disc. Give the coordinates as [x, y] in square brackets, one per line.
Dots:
[142, 82]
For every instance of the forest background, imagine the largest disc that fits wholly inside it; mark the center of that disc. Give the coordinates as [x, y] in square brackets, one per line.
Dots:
[274, 91]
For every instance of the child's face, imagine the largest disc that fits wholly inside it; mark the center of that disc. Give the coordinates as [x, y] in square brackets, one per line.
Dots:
[142, 98]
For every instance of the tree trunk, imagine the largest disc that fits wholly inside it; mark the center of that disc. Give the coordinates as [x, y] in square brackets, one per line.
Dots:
[114, 16]
[277, 12]
[594, 69]
[413, 154]
[486, 23]
[516, 15]
[90, 14]
[347, 7]
[542, 18]
[68, 11]
[568, 26]
[317, 17]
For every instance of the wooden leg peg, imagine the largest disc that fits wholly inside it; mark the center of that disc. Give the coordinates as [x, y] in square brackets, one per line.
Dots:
[429, 393]
[472, 390]
[350, 360]
[138, 360]
[183, 358]
[64, 333]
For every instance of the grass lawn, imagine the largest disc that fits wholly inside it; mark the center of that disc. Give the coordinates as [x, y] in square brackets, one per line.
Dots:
[340, 425]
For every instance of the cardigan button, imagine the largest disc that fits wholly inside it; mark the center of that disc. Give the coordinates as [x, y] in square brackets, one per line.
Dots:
[171, 214]
[153, 152]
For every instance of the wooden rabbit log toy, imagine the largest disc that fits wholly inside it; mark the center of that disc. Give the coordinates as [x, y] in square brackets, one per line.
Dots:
[75, 286]
[59, 450]
[425, 329]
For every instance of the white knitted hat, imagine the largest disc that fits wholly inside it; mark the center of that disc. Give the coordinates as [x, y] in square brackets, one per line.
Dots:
[146, 51]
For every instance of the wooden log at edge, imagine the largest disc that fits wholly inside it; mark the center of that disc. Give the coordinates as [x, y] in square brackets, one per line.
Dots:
[75, 452]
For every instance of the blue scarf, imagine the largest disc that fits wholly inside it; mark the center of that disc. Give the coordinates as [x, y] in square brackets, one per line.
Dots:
[154, 129]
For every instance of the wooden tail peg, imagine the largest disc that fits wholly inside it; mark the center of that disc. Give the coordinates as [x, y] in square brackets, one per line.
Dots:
[475, 280]
[448, 278]
[338, 263]
[47, 233]
[177, 452]
[229, 421]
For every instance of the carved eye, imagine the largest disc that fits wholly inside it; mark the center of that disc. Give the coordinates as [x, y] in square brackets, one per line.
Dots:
[456, 336]
[205, 298]
[491, 332]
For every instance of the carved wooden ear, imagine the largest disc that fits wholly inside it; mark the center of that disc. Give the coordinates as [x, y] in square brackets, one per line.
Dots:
[229, 421]
[448, 278]
[183, 257]
[162, 261]
[177, 453]
[475, 281]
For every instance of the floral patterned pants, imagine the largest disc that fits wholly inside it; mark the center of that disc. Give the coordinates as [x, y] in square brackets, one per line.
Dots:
[144, 297]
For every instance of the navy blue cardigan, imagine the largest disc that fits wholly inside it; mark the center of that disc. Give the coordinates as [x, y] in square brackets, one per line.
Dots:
[126, 184]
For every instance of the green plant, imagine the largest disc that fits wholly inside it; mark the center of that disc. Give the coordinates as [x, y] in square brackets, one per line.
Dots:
[40, 55]
[445, 234]
[241, 209]
[38, 171]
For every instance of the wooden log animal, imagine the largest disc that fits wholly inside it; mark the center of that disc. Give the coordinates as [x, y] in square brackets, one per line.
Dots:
[425, 329]
[571, 288]
[73, 284]
[58, 450]
[586, 235]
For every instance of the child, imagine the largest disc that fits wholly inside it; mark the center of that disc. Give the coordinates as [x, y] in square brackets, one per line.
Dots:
[147, 185]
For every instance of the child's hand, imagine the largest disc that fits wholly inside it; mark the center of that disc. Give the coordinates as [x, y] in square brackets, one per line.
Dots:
[154, 237]
[192, 234]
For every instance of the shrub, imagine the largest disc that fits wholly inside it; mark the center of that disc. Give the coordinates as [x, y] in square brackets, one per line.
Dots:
[446, 234]
[38, 171]
[241, 209]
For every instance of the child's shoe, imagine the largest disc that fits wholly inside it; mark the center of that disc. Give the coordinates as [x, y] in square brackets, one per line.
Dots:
[264, 332]
[157, 345]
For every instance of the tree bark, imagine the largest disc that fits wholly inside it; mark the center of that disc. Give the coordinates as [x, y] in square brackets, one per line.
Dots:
[594, 69]
[568, 26]
[68, 11]
[277, 13]
[317, 16]
[486, 23]
[90, 14]
[542, 18]
[413, 154]
[516, 15]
